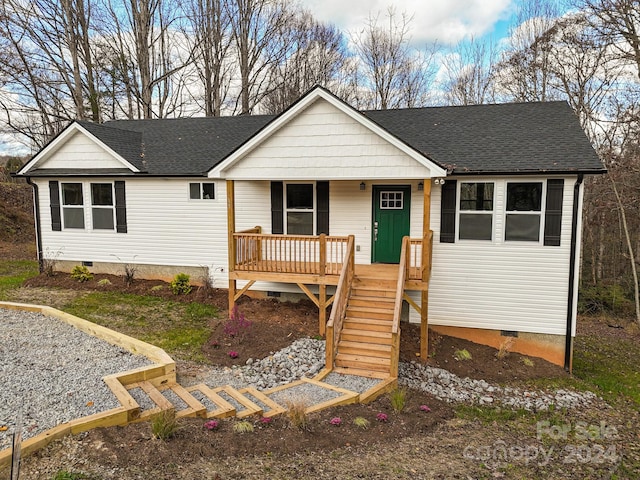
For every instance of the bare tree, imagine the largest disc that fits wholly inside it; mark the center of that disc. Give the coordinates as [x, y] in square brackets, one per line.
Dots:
[396, 74]
[619, 22]
[523, 74]
[318, 55]
[209, 32]
[259, 28]
[470, 71]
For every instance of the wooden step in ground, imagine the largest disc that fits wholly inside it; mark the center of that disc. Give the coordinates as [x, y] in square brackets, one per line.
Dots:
[257, 397]
[243, 406]
[216, 406]
[186, 405]
[154, 397]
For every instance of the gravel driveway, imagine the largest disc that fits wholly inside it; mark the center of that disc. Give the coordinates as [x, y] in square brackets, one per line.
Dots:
[51, 373]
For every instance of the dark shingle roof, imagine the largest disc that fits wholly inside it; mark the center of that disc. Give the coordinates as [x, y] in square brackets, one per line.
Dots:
[187, 146]
[504, 138]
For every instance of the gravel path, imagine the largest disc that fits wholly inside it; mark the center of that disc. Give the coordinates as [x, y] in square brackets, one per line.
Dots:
[51, 372]
[64, 380]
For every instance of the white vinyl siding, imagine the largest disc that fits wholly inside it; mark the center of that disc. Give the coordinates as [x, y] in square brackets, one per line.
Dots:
[80, 151]
[164, 228]
[324, 143]
[521, 286]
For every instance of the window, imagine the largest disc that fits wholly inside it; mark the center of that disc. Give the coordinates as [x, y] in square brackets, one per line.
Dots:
[476, 211]
[102, 206]
[72, 205]
[524, 210]
[299, 213]
[202, 191]
[391, 200]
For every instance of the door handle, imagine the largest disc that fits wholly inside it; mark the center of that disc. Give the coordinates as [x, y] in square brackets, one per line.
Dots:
[375, 231]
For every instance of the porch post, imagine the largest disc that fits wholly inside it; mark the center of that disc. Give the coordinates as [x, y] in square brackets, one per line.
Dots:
[322, 300]
[426, 253]
[231, 244]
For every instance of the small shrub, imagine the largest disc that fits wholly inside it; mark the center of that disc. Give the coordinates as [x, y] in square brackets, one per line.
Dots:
[425, 408]
[505, 348]
[49, 262]
[382, 417]
[398, 399]
[527, 361]
[237, 326]
[130, 272]
[243, 427]
[296, 413]
[211, 425]
[104, 282]
[462, 355]
[605, 299]
[206, 281]
[215, 344]
[266, 420]
[361, 422]
[180, 284]
[81, 273]
[233, 354]
[337, 421]
[157, 288]
[164, 425]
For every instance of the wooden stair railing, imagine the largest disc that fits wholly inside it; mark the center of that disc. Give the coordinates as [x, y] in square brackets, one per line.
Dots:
[339, 308]
[397, 310]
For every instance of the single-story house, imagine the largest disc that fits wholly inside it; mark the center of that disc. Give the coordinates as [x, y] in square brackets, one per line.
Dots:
[464, 219]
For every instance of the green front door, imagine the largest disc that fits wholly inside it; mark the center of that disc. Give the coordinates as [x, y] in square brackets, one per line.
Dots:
[391, 208]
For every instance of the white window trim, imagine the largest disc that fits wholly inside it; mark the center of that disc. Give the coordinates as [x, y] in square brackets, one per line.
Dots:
[286, 210]
[76, 207]
[111, 207]
[202, 199]
[541, 213]
[88, 206]
[476, 212]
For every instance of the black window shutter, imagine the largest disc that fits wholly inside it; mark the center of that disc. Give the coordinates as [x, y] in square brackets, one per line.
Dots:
[277, 205]
[448, 212]
[121, 207]
[322, 216]
[54, 201]
[553, 212]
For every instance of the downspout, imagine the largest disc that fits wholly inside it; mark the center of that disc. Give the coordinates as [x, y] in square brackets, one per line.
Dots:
[572, 273]
[36, 208]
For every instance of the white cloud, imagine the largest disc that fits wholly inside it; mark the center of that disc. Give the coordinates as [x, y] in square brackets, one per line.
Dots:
[447, 21]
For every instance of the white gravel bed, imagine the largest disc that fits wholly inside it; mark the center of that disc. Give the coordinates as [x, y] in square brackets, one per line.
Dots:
[351, 382]
[447, 386]
[204, 400]
[142, 399]
[52, 372]
[307, 393]
[237, 405]
[175, 399]
[264, 407]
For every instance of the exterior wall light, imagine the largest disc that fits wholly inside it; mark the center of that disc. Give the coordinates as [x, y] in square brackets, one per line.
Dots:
[420, 186]
[362, 186]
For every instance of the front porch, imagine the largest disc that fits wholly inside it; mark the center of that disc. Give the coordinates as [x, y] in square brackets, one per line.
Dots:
[363, 328]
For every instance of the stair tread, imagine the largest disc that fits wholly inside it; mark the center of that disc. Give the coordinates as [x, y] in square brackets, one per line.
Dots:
[371, 309]
[361, 372]
[365, 346]
[368, 333]
[368, 299]
[363, 359]
[369, 321]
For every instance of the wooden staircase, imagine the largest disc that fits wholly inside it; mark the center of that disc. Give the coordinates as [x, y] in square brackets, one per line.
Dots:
[365, 346]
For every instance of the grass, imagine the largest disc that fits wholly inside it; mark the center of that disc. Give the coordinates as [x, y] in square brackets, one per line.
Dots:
[164, 425]
[398, 399]
[243, 426]
[178, 328]
[65, 475]
[609, 366]
[13, 273]
[297, 413]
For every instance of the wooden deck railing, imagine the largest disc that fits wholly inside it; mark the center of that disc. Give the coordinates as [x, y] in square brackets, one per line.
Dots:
[339, 308]
[397, 309]
[416, 262]
[303, 254]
